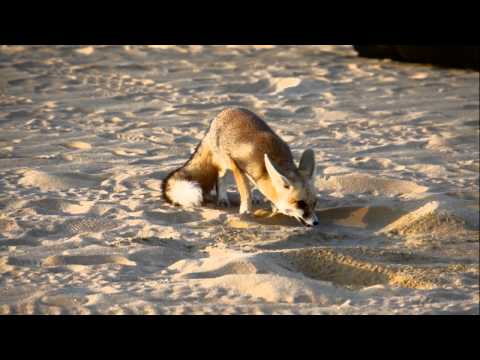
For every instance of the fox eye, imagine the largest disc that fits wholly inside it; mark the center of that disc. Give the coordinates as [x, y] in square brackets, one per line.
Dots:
[302, 204]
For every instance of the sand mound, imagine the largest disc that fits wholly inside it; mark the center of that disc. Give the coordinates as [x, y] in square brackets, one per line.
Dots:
[58, 181]
[428, 219]
[226, 264]
[275, 289]
[362, 183]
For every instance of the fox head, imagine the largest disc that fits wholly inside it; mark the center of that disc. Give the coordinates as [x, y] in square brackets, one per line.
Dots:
[295, 193]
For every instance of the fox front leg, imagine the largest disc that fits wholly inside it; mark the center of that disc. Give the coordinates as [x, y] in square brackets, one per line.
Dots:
[243, 188]
[274, 209]
[222, 196]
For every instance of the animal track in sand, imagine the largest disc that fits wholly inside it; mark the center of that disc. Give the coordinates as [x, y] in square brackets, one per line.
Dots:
[172, 218]
[58, 181]
[87, 224]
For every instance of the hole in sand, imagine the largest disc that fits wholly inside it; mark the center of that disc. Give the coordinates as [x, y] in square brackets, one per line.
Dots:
[329, 265]
[374, 217]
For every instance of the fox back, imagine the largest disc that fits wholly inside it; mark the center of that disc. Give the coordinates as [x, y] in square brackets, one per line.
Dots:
[240, 136]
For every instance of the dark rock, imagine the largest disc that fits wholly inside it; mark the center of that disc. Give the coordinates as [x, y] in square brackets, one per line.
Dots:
[450, 56]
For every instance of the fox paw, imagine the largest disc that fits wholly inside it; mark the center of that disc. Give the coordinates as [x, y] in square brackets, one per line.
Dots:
[245, 210]
[223, 202]
[257, 198]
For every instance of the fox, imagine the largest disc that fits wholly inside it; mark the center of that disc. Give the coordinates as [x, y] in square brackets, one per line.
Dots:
[240, 142]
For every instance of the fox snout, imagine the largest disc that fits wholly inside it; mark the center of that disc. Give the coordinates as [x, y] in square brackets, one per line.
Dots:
[310, 221]
[306, 215]
[300, 211]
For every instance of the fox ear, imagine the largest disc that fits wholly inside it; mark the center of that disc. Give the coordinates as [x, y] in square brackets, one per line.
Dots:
[307, 164]
[278, 180]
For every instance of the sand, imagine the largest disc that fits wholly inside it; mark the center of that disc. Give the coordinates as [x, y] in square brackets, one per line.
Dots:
[87, 133]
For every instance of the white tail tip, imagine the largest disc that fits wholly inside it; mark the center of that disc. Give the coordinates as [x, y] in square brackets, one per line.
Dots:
[185, 193]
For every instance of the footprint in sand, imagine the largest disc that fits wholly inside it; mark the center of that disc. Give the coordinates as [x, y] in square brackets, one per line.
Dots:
[78, 145]
[280, 84]
[7, 225]
[160, 256]
[128, 152]
[62, 260]
[371, 163]
[89, 50]
[58, 206]
[87, 225]
[58, 181]
[67, 299]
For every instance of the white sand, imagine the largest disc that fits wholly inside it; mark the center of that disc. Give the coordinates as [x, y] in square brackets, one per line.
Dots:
[87, 134]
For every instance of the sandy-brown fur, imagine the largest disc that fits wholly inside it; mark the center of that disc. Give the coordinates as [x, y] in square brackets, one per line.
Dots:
[242, 185]
[239, 135]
